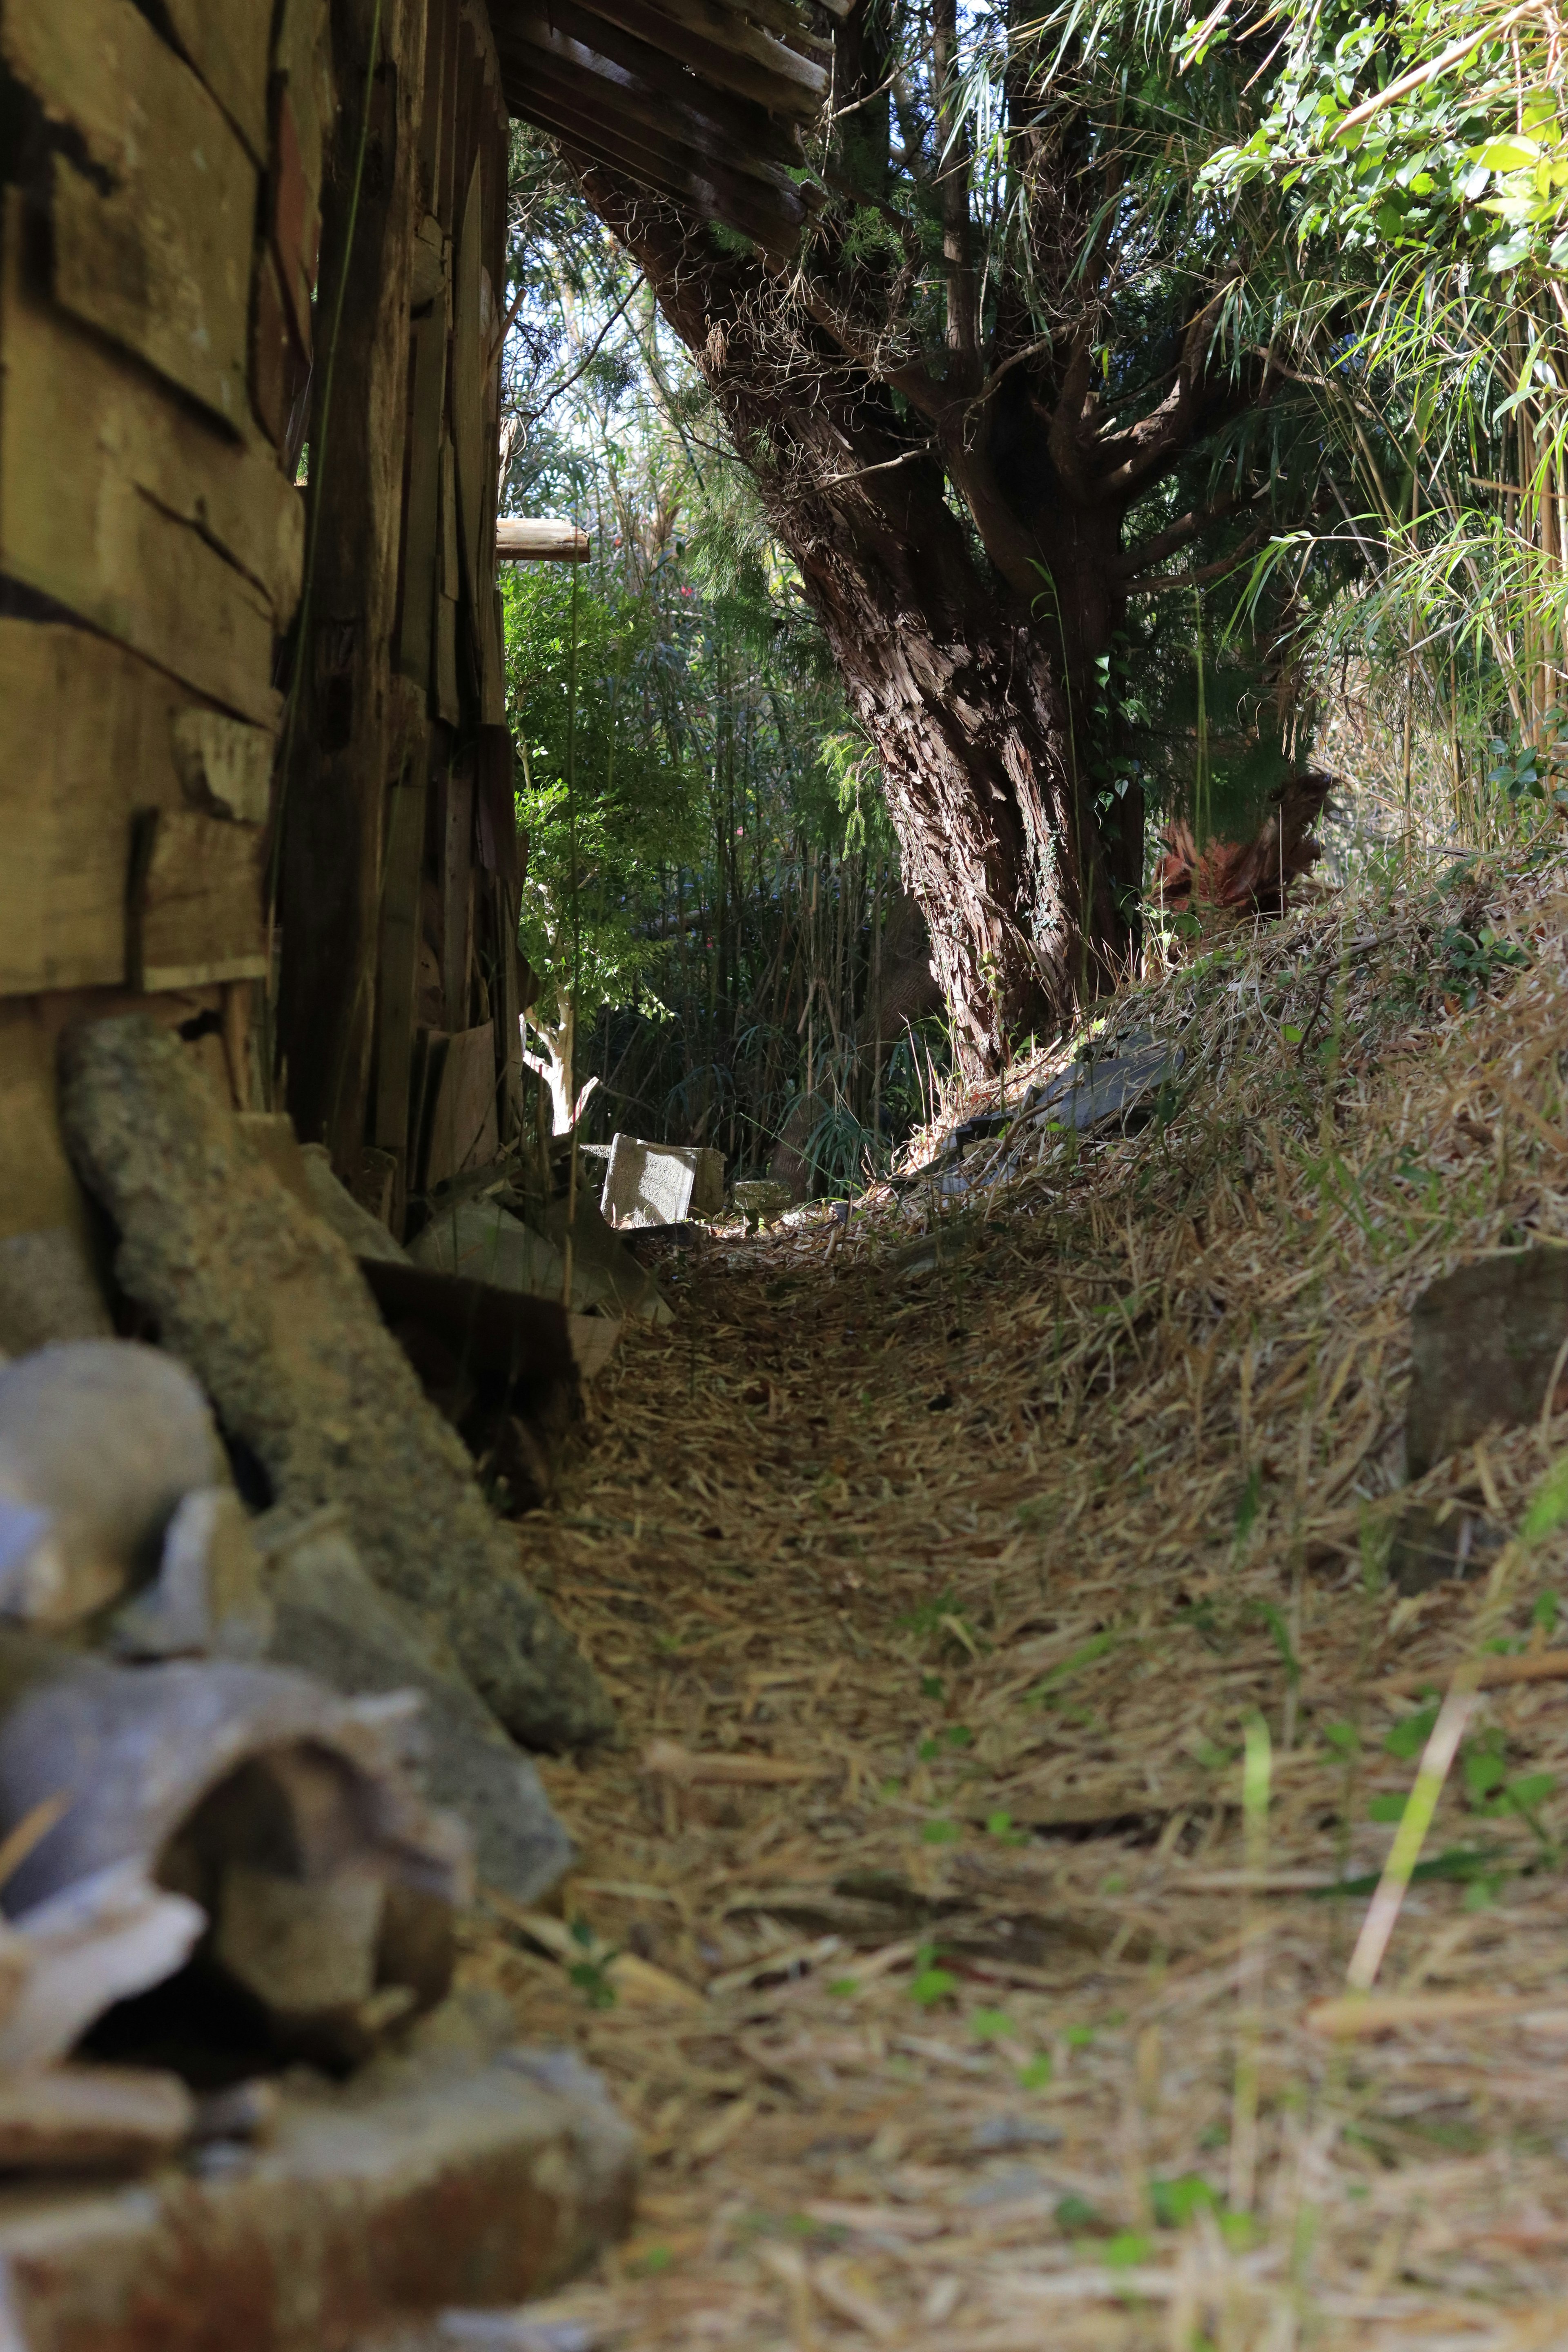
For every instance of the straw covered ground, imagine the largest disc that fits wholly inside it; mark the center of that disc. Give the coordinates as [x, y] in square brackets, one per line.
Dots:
[1016, 1711]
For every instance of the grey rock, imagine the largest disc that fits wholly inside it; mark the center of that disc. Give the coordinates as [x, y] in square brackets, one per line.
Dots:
[365, 1235]
[760, 1202]
[332, 1619]
[208, 1598]
[485, 1243]
[102, 1436]
[268, 1306]
[605, 1274]
[1119, 1086]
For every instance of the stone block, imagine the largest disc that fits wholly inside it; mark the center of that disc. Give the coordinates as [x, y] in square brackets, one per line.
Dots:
[464, 2185]
[1484, 1344]
[333, 1621]
[268, 1307]
[661, 1183]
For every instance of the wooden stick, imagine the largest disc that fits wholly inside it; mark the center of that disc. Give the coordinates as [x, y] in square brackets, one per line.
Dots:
[1487, 1674]
[540, 538]
[664, 1758]
[1351, 2016]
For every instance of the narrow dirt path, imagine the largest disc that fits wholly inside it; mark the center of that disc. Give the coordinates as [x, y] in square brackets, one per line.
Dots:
[947, 2010]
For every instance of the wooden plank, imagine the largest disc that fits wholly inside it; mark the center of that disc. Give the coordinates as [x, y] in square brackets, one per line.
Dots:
[399, 955]
[301, 64]
[422, 517]
[463, 1132]
[468, 405]
[636, 82]
[451, 117]
[38, 1190]
[445, 660]
[430, 106]
[508, 1035]
[227, 42]
[131, 534]
[541, 539]
[574, 115]
[724, 51]
[195, 901]
[152, 235]
[456, 893]
[92, 734]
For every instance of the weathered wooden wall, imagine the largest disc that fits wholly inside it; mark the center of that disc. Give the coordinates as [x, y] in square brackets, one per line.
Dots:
[153, 294]
[399, 1005]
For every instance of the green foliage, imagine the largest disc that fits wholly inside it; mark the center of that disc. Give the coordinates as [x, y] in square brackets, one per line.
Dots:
[605, 800]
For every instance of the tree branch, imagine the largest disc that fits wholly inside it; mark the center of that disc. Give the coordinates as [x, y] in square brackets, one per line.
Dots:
[1161, 583]
[1154, 550]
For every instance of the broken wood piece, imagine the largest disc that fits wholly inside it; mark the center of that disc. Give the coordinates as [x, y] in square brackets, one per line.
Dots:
[303, 1950]
[539, 539]
[633, 1979]
[92, 2118]
[1483, 1673]
[96, 1941]
[194, 913]
[1357, 2016]
[197, 1771]
[666, 1761]
[461, 1129]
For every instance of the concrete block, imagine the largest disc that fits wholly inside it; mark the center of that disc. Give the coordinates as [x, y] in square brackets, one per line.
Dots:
[463, 2184]
[661, 1183]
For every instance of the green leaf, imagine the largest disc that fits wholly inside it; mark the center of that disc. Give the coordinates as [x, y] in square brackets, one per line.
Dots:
[844, 1987]
[1410, 1734]
[1126, 2252]
[1075, 2212]
[991, 2024]
[1343, 1737]
[1530, 1790]
[1483, 1770]
[1036, 2075]
[1509, 154]
[933, 1985]
[1387, 1809]
[1548, 1504]
[942, 1833]
[1176, 2201]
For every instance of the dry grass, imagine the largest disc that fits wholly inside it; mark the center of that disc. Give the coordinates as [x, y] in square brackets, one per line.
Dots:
[1001, 1555]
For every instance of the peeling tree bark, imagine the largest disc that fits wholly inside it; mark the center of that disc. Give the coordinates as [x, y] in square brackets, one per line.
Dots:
[942, 658]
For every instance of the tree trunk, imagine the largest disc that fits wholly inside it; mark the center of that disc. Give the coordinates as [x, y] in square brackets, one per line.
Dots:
[949, 669]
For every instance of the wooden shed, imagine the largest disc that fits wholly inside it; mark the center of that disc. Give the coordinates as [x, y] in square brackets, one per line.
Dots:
[259, 778]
